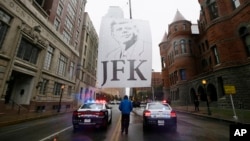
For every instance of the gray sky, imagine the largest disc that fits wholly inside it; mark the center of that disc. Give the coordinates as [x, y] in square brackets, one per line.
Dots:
[159, 13]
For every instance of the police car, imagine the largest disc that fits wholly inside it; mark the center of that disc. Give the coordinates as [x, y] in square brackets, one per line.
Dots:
[93, 113]
[159, 114]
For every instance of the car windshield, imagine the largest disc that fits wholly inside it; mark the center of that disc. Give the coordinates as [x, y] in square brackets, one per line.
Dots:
[153, 106]
[92, 106]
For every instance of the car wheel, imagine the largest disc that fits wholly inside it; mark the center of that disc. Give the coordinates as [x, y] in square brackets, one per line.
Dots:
[145, 128]
[105, 124]
[75, 128]
[174, 128]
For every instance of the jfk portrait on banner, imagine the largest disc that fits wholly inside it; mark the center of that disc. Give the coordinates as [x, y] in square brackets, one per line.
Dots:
[124, 53]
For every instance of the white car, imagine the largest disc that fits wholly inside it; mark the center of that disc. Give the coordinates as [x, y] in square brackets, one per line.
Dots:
[158, 114]
[96, 113]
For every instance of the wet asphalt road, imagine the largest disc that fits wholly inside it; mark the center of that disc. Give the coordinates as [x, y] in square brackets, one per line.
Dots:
[190, 128]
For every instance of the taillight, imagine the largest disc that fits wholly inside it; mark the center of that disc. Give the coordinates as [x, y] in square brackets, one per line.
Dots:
[173, 114]
[75, 113]
[101, 113]
[147, 113]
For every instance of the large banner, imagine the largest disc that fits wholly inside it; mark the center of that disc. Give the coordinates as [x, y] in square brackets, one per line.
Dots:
[125, 53]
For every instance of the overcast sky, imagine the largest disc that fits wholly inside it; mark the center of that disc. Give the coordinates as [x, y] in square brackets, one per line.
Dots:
[159, 13]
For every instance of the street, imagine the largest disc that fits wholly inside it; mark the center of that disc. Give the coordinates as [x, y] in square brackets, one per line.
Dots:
[190, 128]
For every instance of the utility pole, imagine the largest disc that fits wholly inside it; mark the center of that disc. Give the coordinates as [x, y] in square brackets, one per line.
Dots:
[130, 10]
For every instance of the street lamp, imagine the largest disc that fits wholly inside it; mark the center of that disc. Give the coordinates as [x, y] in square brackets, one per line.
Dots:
[59, 107]
[204, 82]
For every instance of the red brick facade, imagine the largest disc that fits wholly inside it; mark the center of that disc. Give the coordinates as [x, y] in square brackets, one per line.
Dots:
[219, 54]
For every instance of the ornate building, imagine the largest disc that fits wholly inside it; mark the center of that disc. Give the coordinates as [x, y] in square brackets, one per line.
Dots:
[87, 64]
[40, 50]
[218, 55]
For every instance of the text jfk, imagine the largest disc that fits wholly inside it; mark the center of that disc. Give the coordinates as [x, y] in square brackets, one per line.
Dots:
[133, 69]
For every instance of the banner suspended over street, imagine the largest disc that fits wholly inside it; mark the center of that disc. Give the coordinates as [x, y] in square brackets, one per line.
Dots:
[125, 53]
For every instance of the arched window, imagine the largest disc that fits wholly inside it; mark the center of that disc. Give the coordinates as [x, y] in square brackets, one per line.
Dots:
[245, 36]
[175, 28]
[184, 26]
[183, 46]
[175, 48]
[163, 62]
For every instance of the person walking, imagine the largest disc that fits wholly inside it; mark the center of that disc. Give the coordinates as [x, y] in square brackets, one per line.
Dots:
[125, 107]
[196, 104]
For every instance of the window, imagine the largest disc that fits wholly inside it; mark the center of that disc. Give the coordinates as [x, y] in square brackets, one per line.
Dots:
[66, 37]
[56, 24]
[71, 70]
[204, 63]
[175, 28]
[213, 9]
[247, 42]
[40, 2]
[71, 12]
[245, 36]
[70, 90]
[76, 45]
[87, 37]
[85, 50]
[216, 55]
[207, 45]
[83, 76]
[68, 24]
[48, 58]
[59, 10]
[199, 47]
[163, 65]
[77, 34]
[183, 74]
[4, 21]
[28, 51]
[74, 2]
[203, 47]
[79, 22]
[183, 46]
[62, 65]
[175, 48]
[57, 88]
[236, 3]
[184, 26]
[43, 86]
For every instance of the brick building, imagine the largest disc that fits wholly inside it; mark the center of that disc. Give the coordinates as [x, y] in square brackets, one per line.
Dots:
[218, 53]
[143, 93]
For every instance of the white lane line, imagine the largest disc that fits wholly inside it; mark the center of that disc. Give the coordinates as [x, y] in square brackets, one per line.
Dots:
[56, 133]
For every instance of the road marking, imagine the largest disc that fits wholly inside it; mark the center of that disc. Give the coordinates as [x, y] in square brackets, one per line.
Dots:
[116, 133]
[53, 135]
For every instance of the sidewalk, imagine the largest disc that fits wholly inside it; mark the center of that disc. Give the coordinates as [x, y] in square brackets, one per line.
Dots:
[216, 113]
[14, 118]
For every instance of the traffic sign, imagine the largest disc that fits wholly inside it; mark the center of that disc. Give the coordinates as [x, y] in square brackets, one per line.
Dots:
[229, 89]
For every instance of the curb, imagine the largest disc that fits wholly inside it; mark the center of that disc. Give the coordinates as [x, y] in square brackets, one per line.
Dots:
[207, 116]
[201, 115]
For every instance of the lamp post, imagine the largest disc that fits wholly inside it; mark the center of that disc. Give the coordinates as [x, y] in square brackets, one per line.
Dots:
[59, 107]
[204, 82]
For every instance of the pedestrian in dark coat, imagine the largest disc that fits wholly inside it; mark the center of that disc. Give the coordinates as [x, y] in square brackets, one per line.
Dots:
[196, 105]
[125, 107]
